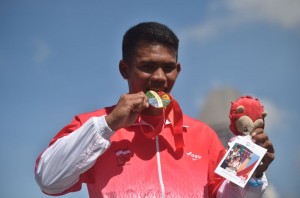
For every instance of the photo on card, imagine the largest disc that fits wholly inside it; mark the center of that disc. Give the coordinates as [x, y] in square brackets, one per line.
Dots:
[240, 160]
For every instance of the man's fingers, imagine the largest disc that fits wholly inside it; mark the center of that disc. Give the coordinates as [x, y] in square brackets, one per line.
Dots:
[265, 162]
[127, 110]
[139, 102]
[261, 138]
[269, 146]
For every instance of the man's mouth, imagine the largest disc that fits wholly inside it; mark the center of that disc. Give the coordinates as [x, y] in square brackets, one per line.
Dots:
[158, 90]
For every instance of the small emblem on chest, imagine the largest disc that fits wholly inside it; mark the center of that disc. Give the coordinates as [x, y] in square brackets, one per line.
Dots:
[122, 156]
[194, 156]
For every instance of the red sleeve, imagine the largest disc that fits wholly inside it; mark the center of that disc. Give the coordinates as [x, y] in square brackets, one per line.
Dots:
[75, 124]
[78, 121]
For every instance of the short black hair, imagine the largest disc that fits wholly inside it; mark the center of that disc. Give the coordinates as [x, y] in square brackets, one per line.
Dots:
[148, 33]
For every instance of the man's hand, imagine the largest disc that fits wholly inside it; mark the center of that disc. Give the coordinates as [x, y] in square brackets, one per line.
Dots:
[127, 110]
[261, 138]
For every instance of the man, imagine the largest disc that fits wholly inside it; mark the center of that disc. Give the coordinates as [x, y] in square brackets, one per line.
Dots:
[133, 149]
[232, 154]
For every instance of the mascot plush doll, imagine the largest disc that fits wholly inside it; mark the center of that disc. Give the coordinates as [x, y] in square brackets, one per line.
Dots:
[246, 114]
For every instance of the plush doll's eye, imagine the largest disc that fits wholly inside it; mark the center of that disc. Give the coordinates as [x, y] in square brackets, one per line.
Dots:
[245, 129]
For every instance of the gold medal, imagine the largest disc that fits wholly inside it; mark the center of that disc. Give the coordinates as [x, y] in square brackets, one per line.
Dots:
[158, 99]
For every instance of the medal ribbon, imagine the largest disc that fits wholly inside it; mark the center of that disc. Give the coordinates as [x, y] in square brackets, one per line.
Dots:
[174, 113]
[157, 129]
[176, 117]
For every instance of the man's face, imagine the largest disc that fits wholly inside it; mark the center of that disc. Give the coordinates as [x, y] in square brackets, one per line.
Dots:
[154, 67]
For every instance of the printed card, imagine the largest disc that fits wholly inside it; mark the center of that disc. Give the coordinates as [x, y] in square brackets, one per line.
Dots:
[240, 160]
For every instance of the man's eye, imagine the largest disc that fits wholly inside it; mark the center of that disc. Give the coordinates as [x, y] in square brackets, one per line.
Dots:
[169, 68]
[147, 68]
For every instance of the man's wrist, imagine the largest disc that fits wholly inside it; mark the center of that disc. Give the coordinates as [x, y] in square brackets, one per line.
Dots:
[102, 128]
[259, 175]
[110, 123]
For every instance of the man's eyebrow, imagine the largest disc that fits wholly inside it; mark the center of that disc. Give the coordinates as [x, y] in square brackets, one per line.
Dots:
[157, 62]
[147, 62]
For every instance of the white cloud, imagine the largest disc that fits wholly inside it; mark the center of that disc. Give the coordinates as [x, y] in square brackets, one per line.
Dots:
[283, 12]
[281, 123]
[42, 51]
[271, 191]
[277, 118]
[233, 13]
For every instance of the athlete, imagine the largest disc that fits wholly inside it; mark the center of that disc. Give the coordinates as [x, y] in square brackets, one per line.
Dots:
[133, 149]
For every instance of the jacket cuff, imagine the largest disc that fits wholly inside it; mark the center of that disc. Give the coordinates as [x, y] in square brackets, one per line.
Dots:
[102, 128]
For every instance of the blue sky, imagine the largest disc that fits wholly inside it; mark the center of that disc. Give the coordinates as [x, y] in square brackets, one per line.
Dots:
[60, 58]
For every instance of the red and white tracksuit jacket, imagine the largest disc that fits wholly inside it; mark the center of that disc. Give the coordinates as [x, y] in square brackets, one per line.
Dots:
[125, 163]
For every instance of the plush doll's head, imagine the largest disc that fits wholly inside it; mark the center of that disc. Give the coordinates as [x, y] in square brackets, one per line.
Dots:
[246, 114]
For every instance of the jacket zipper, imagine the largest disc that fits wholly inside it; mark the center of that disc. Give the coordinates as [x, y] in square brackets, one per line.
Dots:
[161, 182]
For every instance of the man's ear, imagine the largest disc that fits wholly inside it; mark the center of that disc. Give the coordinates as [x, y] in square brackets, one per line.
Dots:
[178, 67]
[123, 69]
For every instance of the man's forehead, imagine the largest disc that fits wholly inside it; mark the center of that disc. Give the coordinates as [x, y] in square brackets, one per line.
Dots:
[158, 50]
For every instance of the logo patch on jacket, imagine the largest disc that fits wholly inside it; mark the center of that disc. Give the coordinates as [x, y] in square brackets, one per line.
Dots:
[123, 156]
[194, 156]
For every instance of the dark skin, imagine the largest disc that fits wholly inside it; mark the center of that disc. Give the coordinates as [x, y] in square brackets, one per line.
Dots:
[155, 67]
[261, 138]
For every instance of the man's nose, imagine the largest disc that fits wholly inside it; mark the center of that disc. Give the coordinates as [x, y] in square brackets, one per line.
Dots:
[159, 75]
